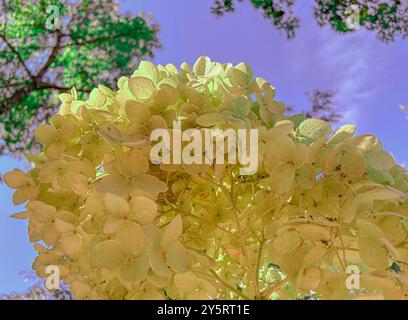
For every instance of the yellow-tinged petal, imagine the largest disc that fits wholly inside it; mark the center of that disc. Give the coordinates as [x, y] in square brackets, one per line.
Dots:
[314, 129]
[315, 255]
[342, 133]
[112, 224]
[186, 282]
[209, 119]
[287, 242]
[285, 174]
[133, 163]
[115, 204]
[16, 178]
[131, 235]
[109, 254]
[157, 280]
[379, 159]
[143, 209]
[63, 226]
[20, 196]
[313, 232]
[158, 263]
[349, 209]
[71, 243]
[149, 70]
[136, 270]
[178, 257]
[373, 252]
[46, 134]
[80, 289]
[202, 65]
[41, 212]
[135, 111]
[150, 183]
[309, 278]
[21, 215]
[153, 235]
[54, 150]
[49, 233]
[172, 231]
[353, 165]
[142, 88]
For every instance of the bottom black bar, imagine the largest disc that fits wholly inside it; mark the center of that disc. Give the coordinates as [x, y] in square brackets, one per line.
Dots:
[215, 309]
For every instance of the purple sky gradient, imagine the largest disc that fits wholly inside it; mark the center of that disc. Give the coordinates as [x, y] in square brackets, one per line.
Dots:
[370, 78]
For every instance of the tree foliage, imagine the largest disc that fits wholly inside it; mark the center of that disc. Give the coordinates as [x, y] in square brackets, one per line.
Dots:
[389, 19]
[279, 12]
[49, 46]
[119, 226]
[323, 106]
[37, 291]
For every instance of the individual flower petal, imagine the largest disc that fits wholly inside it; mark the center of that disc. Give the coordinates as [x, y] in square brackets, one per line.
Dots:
[178, 258]
[314, 129]
[142, 88]
[158, 263]
[46, 134]
[309, 278]
[287, 242]
[41, 212]
[172, 231]
[115, 204]
[109, 254]
[71, 243]
[131, 235]
[136, 270]
[143, 209]
[373, 252]
[16, 179]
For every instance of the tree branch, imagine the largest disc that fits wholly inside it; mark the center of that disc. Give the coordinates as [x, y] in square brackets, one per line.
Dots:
[19, 58]
[45, 85]
[52, 56]
[95, 40]
[6, 104]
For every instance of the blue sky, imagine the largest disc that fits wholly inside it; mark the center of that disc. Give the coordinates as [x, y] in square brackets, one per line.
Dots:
[370, 79]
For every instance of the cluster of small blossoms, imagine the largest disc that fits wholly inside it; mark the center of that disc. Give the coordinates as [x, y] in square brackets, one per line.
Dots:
[119, 226]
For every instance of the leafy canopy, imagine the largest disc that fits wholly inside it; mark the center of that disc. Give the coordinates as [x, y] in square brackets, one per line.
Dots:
[389, 19]
[49, 46]
[120, 227]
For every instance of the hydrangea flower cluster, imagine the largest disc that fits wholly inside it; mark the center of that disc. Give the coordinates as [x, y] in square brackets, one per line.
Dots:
[121, 227]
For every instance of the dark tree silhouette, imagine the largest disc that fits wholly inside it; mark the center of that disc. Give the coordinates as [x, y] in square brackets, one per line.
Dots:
[389, 19]
[323, 106]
